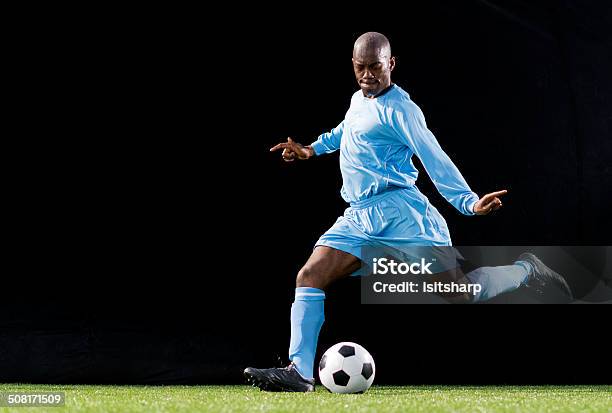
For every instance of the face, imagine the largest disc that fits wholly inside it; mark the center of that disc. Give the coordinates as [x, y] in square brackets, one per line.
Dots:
[373, 69]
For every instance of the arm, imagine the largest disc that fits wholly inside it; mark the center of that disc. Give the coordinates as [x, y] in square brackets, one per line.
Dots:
[409, 123]
[326, 143]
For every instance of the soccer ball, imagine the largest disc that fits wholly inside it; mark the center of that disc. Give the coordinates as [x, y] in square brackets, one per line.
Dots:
[347, 368]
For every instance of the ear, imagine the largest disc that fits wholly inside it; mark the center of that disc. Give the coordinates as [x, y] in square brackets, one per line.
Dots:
[392, 63]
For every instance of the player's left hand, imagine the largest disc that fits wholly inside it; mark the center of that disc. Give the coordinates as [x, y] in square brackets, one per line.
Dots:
[489, 203]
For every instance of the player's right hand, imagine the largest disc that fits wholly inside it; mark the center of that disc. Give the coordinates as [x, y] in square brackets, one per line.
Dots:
[489, 203]
[293, 150]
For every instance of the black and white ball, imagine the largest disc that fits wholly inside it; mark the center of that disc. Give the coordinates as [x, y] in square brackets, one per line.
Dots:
[347, 368]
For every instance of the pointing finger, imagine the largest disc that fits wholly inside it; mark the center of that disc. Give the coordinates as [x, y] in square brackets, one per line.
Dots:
[279, 146]
[488, 197]
[498, 193]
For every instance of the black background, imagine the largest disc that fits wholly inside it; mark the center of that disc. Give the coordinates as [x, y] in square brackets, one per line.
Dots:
[158, 240]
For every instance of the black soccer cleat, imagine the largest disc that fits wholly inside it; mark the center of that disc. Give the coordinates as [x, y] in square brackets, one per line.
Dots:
[543, 277]
[279, 379]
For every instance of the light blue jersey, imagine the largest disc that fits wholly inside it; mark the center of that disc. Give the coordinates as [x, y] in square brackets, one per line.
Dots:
[377, 139]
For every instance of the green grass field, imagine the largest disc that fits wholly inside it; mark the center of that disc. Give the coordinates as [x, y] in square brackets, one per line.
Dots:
[428, 399]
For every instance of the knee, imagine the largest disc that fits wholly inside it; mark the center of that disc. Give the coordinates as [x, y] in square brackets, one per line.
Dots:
[308, 277]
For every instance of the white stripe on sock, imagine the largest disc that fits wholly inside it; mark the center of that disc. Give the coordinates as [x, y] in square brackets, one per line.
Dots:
[310, 294]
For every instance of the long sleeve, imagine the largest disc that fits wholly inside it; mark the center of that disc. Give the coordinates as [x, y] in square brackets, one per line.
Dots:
[409, 123]
[329, 142]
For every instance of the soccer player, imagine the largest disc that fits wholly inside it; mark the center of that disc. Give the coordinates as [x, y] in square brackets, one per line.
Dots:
[382, 130]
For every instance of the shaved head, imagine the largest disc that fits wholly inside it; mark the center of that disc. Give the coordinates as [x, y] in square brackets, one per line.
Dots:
[372, 42]
[373, 63]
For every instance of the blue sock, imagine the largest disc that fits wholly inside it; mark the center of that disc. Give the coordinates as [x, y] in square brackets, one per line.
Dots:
[498, 280]
[307, 316]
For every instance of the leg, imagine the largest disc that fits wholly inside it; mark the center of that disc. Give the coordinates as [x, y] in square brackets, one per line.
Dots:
[528, 270]
[324, 266]
[498, 280]
[493, 281]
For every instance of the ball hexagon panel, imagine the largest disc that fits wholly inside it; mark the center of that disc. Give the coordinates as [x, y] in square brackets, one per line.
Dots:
[357, 384]
[331, 362]
[352, 365]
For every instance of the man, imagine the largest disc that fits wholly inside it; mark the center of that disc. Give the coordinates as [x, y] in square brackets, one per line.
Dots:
[382, 129]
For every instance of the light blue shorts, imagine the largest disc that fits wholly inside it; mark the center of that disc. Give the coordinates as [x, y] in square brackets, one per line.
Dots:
[398, 218]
